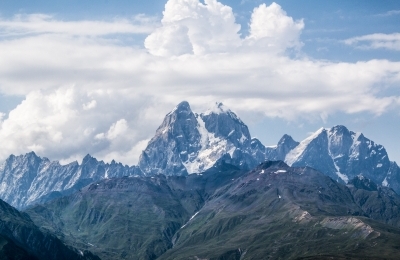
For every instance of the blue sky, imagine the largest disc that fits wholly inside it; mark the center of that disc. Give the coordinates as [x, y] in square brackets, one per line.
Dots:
[86, 63]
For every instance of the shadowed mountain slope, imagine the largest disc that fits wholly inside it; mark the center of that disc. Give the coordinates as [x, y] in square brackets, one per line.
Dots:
[271, 212]
[22, 239]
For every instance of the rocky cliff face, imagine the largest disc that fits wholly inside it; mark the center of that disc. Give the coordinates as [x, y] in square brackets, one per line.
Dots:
[188, 142]
[342, 155]
[29, 179]
[378, 202]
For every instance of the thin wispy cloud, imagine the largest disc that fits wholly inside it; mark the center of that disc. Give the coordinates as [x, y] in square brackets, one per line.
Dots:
[389, 13]
[42, 23]
[376, 41]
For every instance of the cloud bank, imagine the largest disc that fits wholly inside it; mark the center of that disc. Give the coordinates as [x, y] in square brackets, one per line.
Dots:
[85, 92]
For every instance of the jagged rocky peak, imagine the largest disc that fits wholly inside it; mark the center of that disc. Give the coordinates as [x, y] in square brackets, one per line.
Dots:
[180, 121]
[340, 140]
[259, 151]
[88, 159]
[29, 179]
[343, 154]
[311, 144]
[188, 142]
[256, 143]
[29, 158]
[176, 139]
[224, 123]
[285, 145]
[181, 111]
[219, 108]
[288, 141]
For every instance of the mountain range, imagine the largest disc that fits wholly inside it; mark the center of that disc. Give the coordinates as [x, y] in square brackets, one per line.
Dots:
[205, 189]
[188, 143]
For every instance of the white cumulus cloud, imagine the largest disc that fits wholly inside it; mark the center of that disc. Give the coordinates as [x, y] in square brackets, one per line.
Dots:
[271, 27]
[188, 27]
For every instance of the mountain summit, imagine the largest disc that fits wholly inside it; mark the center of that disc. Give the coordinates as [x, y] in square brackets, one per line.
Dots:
[342, 155]
[187, 142]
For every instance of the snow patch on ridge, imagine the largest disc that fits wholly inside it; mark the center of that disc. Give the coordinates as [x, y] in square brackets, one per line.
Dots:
[354, 147]
[342, 176]
[333, 138]
[295, 154]
[212, 148]
[218, 108]
[385, 182]
[195, 214]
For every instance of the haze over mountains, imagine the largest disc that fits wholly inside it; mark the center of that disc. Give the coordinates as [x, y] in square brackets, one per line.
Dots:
[205, 189]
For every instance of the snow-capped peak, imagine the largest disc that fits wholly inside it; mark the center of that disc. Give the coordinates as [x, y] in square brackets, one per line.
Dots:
[188, 142]
[184, 105]
[298, 151]
[211, 149]
[217, 108]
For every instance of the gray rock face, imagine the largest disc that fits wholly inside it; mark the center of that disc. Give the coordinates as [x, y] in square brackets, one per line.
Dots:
[393, 177]
[377, 202]
[314, 152]
[285, 144]
[342, 155]
[176, 141]
[29, 179]
[187, 142]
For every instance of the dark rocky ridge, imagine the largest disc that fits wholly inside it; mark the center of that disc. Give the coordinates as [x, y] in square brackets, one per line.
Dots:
[20, 237]
[131, 217]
